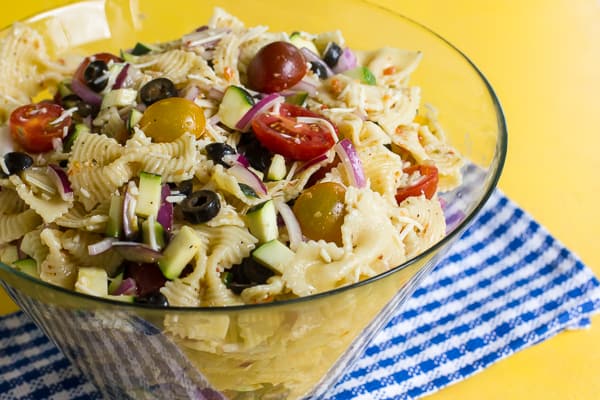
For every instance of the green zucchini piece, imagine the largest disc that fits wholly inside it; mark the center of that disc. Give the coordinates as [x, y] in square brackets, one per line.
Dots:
[180, 251]
[114, 226]
[273, 255]
[115, 282]
[134, 118]
[262, 221]
[142, 48]
[150, 189]
[277, 170]
[122, 297]
[297, 98]
[235, 104]
[72, 136]
[153, 234]
[119, 98]
[92, 280]
[28, 266]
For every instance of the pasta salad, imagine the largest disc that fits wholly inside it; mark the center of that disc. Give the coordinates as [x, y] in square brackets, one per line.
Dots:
[233, 165]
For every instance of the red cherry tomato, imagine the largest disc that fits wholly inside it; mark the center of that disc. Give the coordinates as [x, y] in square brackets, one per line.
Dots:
[106, 57]
[275, 67]
[34, 126]
[283, 134]
[427, 185]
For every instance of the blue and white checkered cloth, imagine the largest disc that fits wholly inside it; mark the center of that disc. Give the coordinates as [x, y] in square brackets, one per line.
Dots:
[505, 285]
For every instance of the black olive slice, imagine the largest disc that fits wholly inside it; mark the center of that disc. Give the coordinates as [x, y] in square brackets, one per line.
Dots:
[332, 54]
[16, 162]
[200, 206]
[157, 89]
[217, 151]
[318, 69]
[96, 75]
[153, 299]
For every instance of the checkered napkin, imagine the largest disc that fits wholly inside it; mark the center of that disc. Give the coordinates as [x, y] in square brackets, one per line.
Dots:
[505, 285]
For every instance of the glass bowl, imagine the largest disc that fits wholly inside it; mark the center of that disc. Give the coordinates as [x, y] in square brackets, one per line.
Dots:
[290, 349]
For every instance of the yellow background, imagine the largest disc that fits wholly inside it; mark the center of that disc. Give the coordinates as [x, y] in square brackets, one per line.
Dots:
[543, 59]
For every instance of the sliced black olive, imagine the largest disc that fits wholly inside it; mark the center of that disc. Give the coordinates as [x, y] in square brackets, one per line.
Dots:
[246, 274]
[186, 187]
[257, 155]
[216, 152]
[16, 162]
[318, 69]
[200, 206]
[96, 75]
[153, 299]
[83, 109]
[332, 54]
[255, 272]
[157, 89]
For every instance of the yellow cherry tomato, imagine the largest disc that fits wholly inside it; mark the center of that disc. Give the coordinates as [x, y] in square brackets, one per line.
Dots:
[168, 119]
[320, 211]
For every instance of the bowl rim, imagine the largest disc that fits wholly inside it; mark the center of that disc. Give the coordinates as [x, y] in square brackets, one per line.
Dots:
[496, 167]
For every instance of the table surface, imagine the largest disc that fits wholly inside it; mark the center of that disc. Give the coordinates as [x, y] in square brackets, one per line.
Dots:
[543, 59]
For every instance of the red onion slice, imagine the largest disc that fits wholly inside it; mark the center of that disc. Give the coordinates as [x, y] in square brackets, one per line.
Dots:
[165, 211]
[312, 162]
[59, 176]
[120, 79]
[215, 94]
[304, 85]
[351, 162]
[231, 159]
[291, 223]
[320, 121]
[85, 93]
[128, 287]
[247, 177]
[267, 102]
[191, 93]
[100, 247]
[204, 37]
[130, 227]
[346, 61]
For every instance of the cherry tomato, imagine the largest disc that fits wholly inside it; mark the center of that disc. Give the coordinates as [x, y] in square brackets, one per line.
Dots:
[320, 211]
[427, 185]
[34, 126]
[80, 73]
[168, 119]
[283, 134]
[275, 67]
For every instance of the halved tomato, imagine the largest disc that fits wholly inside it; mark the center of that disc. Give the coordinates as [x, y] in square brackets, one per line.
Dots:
[426, 185]
[35, 126]
[284, 134]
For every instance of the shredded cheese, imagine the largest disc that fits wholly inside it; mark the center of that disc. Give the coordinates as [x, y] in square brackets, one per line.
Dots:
[320, 121]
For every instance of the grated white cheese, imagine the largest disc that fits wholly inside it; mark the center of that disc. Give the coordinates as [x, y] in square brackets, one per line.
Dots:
[321, 121]
[207, 39]
[175, 198]
[57, 145]
[85, 193]
[65, 114]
